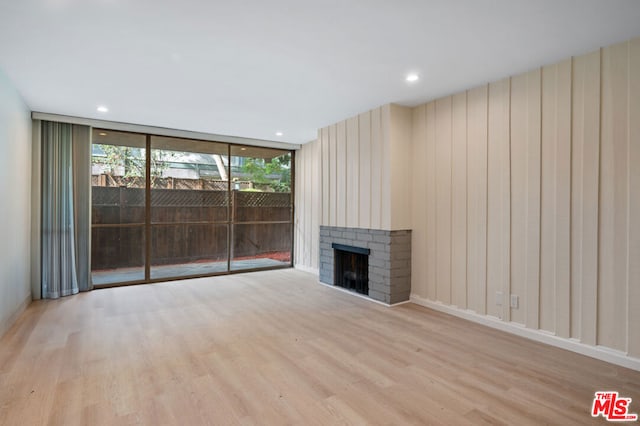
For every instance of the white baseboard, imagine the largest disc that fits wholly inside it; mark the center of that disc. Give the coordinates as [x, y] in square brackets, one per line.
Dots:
[308, 269]
[599, 352]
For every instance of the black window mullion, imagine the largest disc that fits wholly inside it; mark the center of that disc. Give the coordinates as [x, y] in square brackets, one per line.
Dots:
[147, 236]
[229, 207]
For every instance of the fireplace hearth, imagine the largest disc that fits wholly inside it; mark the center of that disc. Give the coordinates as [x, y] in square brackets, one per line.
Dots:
[351, 268]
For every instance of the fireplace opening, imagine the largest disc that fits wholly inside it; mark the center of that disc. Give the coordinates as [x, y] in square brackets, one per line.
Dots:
[351, 268]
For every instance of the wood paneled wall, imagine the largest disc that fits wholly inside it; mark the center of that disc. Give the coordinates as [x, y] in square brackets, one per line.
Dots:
[365, 180]
[356, 174]
[308, 206]
[530, 186]
[355, 194]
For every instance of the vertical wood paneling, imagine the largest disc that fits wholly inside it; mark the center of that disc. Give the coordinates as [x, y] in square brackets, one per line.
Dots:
[527, 186]
[301, 210]
[333, 176]
[364, 123]
[353, 173]
[584, 197]
[443, 199]
[308, 200]
[459, 202]
[525, 196]
[563, 201]
[299, 213]
[376, 168]
[401, 167]
[519, 195]
[308, 160]
[498, 192]
[477, 119]
[614, 199]
[532, 296]
[432, 202]
[547, 219]
[633, 299]
[419, 203]
[555, 202]
[316, 211]
[385, 183]
[341, 158]
[326, 193]
[368, 170]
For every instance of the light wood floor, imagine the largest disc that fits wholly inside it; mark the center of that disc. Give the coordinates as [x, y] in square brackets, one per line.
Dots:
[278, 348]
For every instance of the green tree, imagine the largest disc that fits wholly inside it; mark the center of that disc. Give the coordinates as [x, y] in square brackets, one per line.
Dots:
[276, 172]
[132, 161]
[280, 166]
[255, 168]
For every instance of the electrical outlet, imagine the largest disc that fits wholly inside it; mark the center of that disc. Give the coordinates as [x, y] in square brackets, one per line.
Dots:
[514, 301]
[498, 298]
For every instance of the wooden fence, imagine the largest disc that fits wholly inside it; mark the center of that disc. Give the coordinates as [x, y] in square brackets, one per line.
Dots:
[175, 238]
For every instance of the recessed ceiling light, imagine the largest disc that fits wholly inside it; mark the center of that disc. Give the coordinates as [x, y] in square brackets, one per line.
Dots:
[412, 77]
[102, 134]
[279, 133]
[243, 149]
[102, 108]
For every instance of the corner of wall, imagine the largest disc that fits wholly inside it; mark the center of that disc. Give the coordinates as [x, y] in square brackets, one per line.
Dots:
[308, 205]
[36, 289]
[15, 227]
[401, 163]
[305, 268]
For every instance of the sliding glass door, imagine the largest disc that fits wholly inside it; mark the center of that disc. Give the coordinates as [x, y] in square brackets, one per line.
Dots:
[118, 187]
[189, 208]
[166, 208]
[261, 208]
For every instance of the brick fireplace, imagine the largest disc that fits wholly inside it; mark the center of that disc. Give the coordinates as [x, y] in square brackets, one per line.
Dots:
[389, 259]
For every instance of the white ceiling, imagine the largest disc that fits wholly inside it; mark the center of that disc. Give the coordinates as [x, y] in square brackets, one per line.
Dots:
[253, 67]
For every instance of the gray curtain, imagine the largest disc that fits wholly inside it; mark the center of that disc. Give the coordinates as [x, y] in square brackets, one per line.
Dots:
[65, 209]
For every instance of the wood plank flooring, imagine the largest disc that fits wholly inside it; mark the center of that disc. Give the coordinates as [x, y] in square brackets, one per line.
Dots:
[278, 348]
